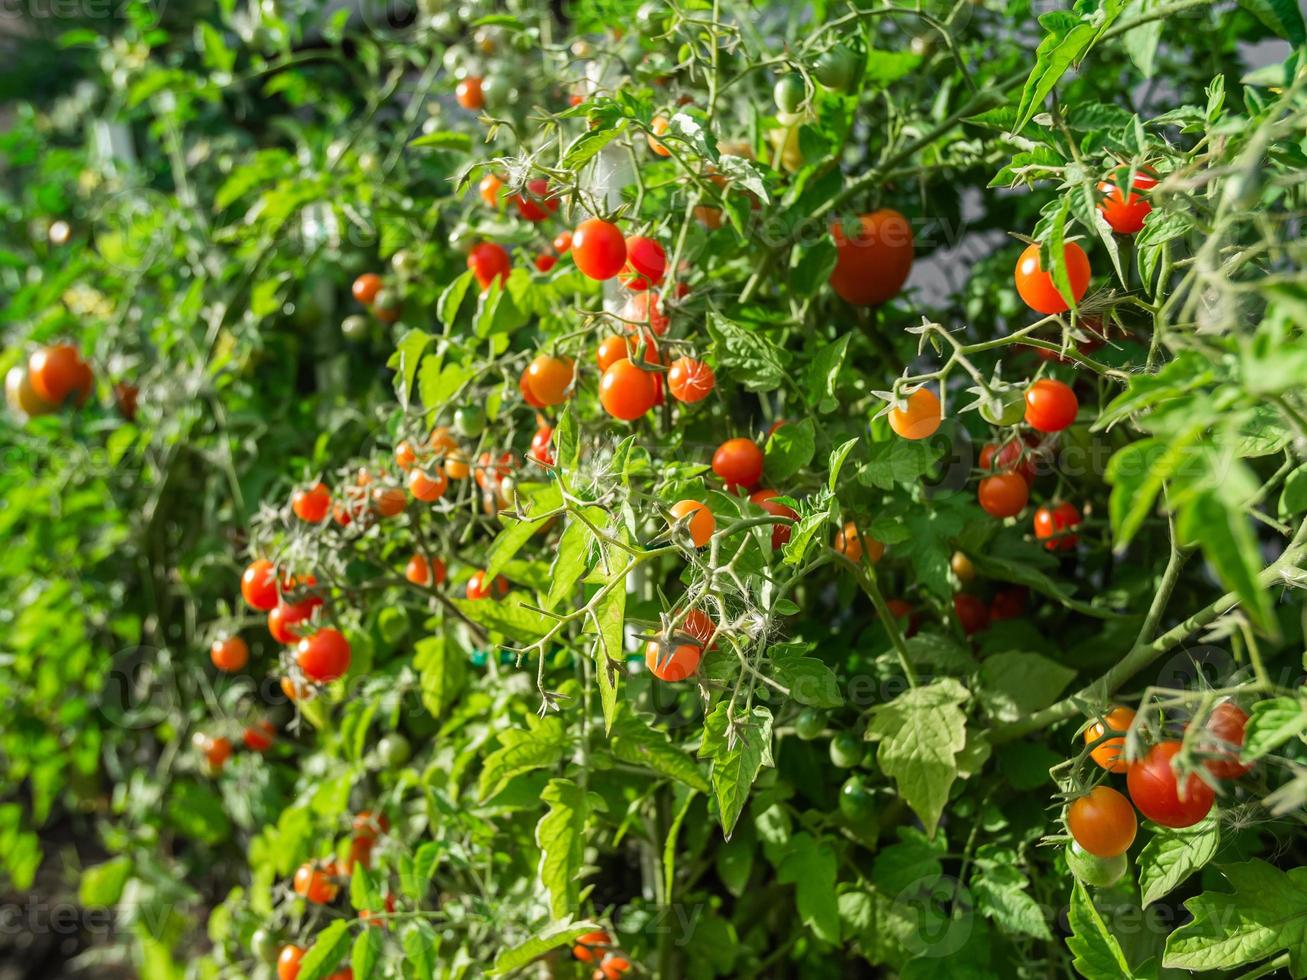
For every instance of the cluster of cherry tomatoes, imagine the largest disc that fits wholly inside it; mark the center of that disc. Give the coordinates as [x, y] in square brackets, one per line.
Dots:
[1102, 821]
[597, 947]
[53, 376]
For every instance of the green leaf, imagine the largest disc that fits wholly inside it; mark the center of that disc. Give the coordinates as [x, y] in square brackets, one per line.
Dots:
[518, 956]
[328, 950]
[610, 614]
[921, 733]
[507, 616]
[1057, 52]
[1014, 684]
[1284, 17]
[442, 670]
[1230, 548]
[899, 461]
[1271, 724]
[789, 449]
[404, 362]
[510, 541]
[560, 835]
[451, 298]
[837, 458]
[811, 266]
[1264, 913]
[102, 884]
[363, 892]
[519, 751]
[1002, 893]
[750, 357]
[810, 865]
[737, 752]
[587, 145]
[822, 375]
[809, 680]
[570, 560]
[734, 859]
[1172, 855]
[443, 139]
[421, 946]
[368, 947]
[636, 743]
[915, 857]
[1293, 499]
[1097, 954]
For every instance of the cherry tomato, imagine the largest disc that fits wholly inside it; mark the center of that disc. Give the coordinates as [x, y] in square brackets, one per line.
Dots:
[739, 463]
[919, 417]
[469, 94]
[612, 968]
[296, 691]
[489, 262]
[701, 523]
[699, 626]
[427, 487]
[57, 371]
[853, 544]
[611, 350]
[972, 613]
[646, 308]
[265, 945]
[837, 68]
[456, 465]
[789, 93]
[872, 266]
[542, 449]
[590, 946]
[598, 249]
[1003, 495]
[1011, 457]
[311, 505]
[537, 204]
[563, 242]
[395, 750]
[489, 189]
[366, 287]
[856, 802]
[962, 567]
[809, 724]
[550, 379]
[479, 588]
[1226, 725]
[659, 127]
[901, 611]
[259, 585]
[1124, 212]
[627, 392]
[215, 749]
[846, 750]
[1094, 871]
[387, 308]
[323, 656]
[524, 386]
[405, 455]
[1053, 524]
[20, 394]
[689, 380]
[1051, 406]
[418, 571]
[1035, 286]
[646, 263]
[1007, 603]
[670, 662]
[315, 884]
[780, 533]
[229, 653]
[259, 737]
[1156, 791]
[285, 616]
[288, 962]
[490, 472]
[1102, 822]
[1109, 754]
[544, 262]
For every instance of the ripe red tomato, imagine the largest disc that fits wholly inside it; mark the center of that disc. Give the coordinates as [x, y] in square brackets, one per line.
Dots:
[1125, 212]
[701, 523]
[852, 544]
[427, 487]
[780, 533]
[698, 626]
[1110, 754]
[590, 946]
[550, 379]
[646, 263]
[1011, 457]
[1035, 286]
[1226, 726]
[259, 736]
[920, 416]
[1051, 406]
[229, 653]
[469, 94]
[563, 242]
[902, 611]
[311, 504]
[542, 449]
[259, 585]
[315, 884]
[658, 128]
[544, 262]
[1003, 494]
[627, 392]
[388, 501]
[288, 962]
[645, 308]
[366, 287]
[739, 463]
[1053, 524]
[872, 266]
[285, 616]
[689, 380]
[612, 968]
[598, 248]
[405, 455]
[1155, 789]
[418, 571]
[57, 371]
[126, 397]
[1102, 822]
[215, 749]
[489, 262]
[537, 204]
[479, 588]
[672, 662]
[489, 189]
[323, 656]
[611, 350]
[490, 472]
[1007, 603]
[972, 613]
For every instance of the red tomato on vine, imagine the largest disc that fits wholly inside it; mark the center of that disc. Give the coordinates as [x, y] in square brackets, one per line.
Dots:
[690, 380]
[1226, 725]
[323, 655]
[1157, 792]
[780, 533]
[701, 524]
[646, 263]
[919, 415]
[627, 392]
[489, 262]
[311, 504]
[598, 248]
[872, 266]
[739, 463]
[1003, 494]
[1054, 524]
[229, 653]
[1102, 822]
[1051, 406]
[1036, 287]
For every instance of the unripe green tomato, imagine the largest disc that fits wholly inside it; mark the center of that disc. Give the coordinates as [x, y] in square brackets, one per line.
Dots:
[846, 750]
[1009, 409]
[453, 59]
[856, 801]
[496, 89]
[265, 945]
[404, 262]
[445, 22]
[1094, 871]
[789, 93]
[387, 299]
[649, 19]
[394, 750]
[463, 239]
[355, 327]
[470, 421]
[809, 724]
[922, 45]
[837, 68]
